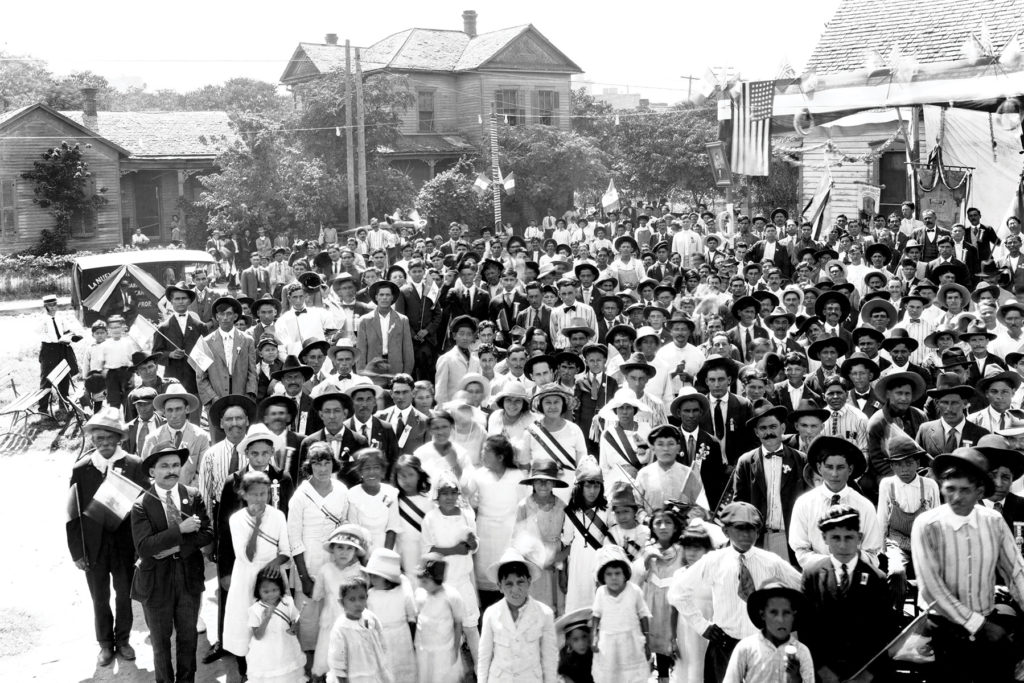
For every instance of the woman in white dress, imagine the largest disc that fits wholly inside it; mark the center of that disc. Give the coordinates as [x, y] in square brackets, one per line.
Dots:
[317, 507]
[468, 430]
[627, 268]
[439, 454]
[555, 437]
[511, 419]
[259, 534]
[622, 448]
[477, 388]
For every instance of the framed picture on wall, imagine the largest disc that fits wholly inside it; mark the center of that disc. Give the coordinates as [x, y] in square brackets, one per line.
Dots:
[719, 164]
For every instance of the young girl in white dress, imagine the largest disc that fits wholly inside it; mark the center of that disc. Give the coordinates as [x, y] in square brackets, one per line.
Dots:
[438, 624]
[653, 572]
[356, 651]
[346, 547]
[621, 622]
[259, 534]
[450, 531]
[540, 520]
[274, 652]
[373, 504]
[413, 485]
[691, 645]
[584, 532]
[392, 600]
[440, 454]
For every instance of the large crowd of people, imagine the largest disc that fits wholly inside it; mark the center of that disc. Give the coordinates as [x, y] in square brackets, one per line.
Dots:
[589, 449]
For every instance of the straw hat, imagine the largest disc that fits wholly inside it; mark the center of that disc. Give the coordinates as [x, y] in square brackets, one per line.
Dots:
[508, 557]
[108, 419]
[385, 563]
[544, 469]
[512, 389]
[257, 432]
[177, 391]
[351, 535]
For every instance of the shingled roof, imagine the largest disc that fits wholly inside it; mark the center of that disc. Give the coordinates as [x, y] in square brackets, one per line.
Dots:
[932, 31]
[151, 134]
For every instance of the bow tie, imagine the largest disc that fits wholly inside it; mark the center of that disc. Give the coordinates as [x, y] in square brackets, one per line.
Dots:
[182, 315]
[774, 454]
[348, 376]
[570, 308]
[301, 312]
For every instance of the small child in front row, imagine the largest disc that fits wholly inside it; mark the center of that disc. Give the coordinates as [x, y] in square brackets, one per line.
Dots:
[274, 651]
[623, 527]
[620, 625]
[653, 572]
[438, 624]
[392, 600]
[540, 519]
[771, 654]
[575, 658]
[690, 644]
[518, 641]
[357, 653]
[346, 547]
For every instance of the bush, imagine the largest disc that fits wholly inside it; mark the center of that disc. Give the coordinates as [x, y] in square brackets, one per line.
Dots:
[450, 196]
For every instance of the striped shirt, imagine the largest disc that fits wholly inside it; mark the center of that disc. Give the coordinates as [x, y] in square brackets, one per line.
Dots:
[561, 318]
[956, 559]
[918, 330]
[850, 424]
[719, 571]
[215, 469]
[806, 539]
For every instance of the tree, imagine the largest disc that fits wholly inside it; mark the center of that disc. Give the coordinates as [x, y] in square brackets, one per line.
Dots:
[66, 92]
[450, 196]
[590, 118]
[387, 188]
[549, 165]
[236, 95]
[60, 180]
[23, 80]
[780, 188]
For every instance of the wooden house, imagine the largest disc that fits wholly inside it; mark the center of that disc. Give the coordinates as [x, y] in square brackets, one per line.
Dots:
[456, 76]
[145, 161]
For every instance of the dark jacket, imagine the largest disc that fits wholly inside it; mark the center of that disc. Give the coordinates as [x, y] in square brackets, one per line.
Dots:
[153, 583]
[931, 436]
[85, 535]
[738, 439]
[418, 435]
[712, 469]
[167, 337]
[129, 443]
[350, 443]
[382, 437]
[422, 312]
[587, 407]
[750, 485]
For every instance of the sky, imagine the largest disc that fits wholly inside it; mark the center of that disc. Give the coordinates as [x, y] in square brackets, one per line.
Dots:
[640, 46]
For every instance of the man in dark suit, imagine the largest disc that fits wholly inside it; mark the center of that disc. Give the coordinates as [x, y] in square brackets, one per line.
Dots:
[848, 606]
[278, 412]
[771, 249]
[202, 305]
[409, 425]
[334, 409]
[101, 543]
[946, 258]
[978, 336]
[293, 376]
[795, 367]
[424, 318]
[745, 310]
[951, 430]
[254, 280]
[535, 313]
[928, 236]
[700, 449]
[729, 413]
[146, 421]
[464, 297]
[594, 388]
[982, 237]
[965, 252]
[379, 434]
[170, 526]
[505, 306]
[1006, 465]
[176, 336]
[265, 369]
[121, 302]
[750, 483]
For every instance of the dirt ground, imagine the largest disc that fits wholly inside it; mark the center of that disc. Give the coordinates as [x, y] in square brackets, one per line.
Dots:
[46, 628]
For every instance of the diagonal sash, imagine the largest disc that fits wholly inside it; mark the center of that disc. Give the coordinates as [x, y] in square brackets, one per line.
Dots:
[625, 450]
[280, 613]
[602, 528]
[327, 513]
[264, 535]
[552, 446]
[410, 512]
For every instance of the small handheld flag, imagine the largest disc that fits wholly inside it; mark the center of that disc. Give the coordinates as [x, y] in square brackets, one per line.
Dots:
[201, 356]
[113, 500]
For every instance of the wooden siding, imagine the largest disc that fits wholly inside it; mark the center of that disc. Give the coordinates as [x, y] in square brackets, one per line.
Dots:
[22, 144]
[445, 103]
[848, 178]
[476, 93]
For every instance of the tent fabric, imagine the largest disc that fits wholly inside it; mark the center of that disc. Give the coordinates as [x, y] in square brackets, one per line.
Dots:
[967, 141]
[100, 295]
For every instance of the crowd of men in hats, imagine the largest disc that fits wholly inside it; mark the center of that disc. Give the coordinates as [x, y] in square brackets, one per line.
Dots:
[783, 445]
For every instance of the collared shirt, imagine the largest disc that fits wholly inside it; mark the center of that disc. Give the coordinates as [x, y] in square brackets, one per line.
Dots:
[560, 319]
[758, 660]
[385, 324]
[228, 339]
[719, 571]
[215, 469]
[804, 536]
[359, 427]
[959, 427]
[837, 567]
[918, 330]
[956, 559]
[773, 486]
[115, 353]
[851, 424]
[104, 464]
[182, 320]
[525, 648]
[175, 497]
[990, 419]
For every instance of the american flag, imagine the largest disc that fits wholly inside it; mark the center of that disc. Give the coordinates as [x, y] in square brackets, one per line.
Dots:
[751, 128]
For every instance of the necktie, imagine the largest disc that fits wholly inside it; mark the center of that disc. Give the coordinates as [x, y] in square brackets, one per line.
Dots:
[141, 437]
[228, 348]
[844, 578]
[171, 510]
[250, 546]
[595, 387]
[401, 426]
[746, 347]
[834, 500]
[691, 445]
[56, 329]
[746, 581]
[365, 435]
[1002, 420]
[835, 422]
[177, 439]
[233, 462]
[951, 441]
[998, 507]
[719, 420]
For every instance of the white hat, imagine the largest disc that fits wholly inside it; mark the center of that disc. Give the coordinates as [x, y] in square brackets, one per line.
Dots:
[385, 563]
[257, 432]
[512, 555]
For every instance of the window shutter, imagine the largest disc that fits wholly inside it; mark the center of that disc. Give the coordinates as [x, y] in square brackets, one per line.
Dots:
[8, 215]
[554, 108]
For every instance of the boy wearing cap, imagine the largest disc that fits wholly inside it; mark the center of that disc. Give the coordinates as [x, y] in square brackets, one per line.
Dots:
[99, 335]
[731, 575]
[848, 616]
[145, 422]
[960, 550]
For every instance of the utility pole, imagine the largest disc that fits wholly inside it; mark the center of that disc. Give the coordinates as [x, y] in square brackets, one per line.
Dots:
[361, 141]
[349, 151]
[495, 173]
[689, 85]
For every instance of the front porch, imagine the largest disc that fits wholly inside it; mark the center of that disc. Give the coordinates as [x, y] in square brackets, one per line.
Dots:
[150, 192]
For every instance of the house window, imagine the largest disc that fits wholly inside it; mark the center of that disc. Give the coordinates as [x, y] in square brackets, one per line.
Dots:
[547, 107]
[508, 106]
[8, 207]
[892, 176]
[83, 224]
[426, 109]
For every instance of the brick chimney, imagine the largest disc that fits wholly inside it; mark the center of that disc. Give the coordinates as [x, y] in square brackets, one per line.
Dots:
[469, 23]
[331, 39]
[89, 116]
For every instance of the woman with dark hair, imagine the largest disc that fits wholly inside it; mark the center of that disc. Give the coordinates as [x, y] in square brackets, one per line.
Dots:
[318, 506]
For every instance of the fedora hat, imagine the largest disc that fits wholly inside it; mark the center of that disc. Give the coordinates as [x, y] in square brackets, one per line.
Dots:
[180, 392]
[824, 446]
[313, 343]
[1007, 307]
[854, 360]
[626, 239]
[768, 590]
[380, 284]
[292, 364]
[385, 563]
[108, 419]
[257, 432]
[264, 300]
[878, 304]
[915, 380]
[780, 312]
[512, 389]
[586, 265]
[364, 385]
[532, 362]
[161, 451]
[777, 211]
[279, 400]
[954, 357]
[899, 446]
[865, 330]
[320, 400]
[808, 407]
[970, 458]
[898, 336]
[1009, 376]
[764, 408]
[1000, 454]
[169, 291]
[878, 248]
[974, 329]
[768, 299]
[945, 387]
[141, 357]
[965, 296]
[218, 407]
[832, 296]
[544, 469]
[578, 325]
[510, 556]
[231, 301]
[983, 287]
[719, 362]
[745, 302]
[627, 330]
[638, 361]
[688, 393]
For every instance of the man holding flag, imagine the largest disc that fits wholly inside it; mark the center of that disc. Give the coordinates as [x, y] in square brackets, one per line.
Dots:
[104, 486]
[175, 337]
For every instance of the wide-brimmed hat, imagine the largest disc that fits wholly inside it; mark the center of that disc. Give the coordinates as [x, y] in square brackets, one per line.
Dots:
[954, 357]
[878, 248]
[688, 393]
[292, 364]
[878, 304]
[808, 407]
[586, 265]
[824, 446]
[532, 361]
[1009, 376]
[385, 563]
[364, 385]
[544, 469]
[107, 418]
[169, 290]
[838, 343]
[780, 312]
[915, 380]
[764, 408]
[966, 457]
[776, 211]
[898, 336]
[855, 359]
[510, 556]
[623, 398]
[578, 325]
[264, 300]
[218, 407]
[948, 383]
[768, 590]
[1001, 454]
[321, 399]
[865, 330]
[279, 400]
[379, 284]
[512, 389]
[965, 296]
[830, 296]
[629, 240]
[899, 446]
[974, 330]
[311, 279]
[351, 535]
[983, 287]
[627, 330]
[567, 623]
[768, 299]
[257, 432]
[162, 451]
[177, 391]
[1007, 307]
[717, 362]
[947, 268]
[745, 302]
[638, 361]
[314, 343]
[551, 389]
[141, 357]
[231, 301]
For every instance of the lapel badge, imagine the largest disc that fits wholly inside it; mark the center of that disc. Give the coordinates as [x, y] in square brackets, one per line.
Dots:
[863, 579]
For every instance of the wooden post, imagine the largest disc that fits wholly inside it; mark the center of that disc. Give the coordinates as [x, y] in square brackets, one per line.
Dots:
[364, 218]
[495, 173]
[349, 151]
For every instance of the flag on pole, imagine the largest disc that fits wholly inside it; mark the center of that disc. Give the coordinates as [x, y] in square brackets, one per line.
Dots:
[708, 83]
[509, 183]
[142, 332]
[610, 199]
[113, 500]
[751, 127]
[482, 184]
[201, 357]
[814, 212]
[909, 645]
